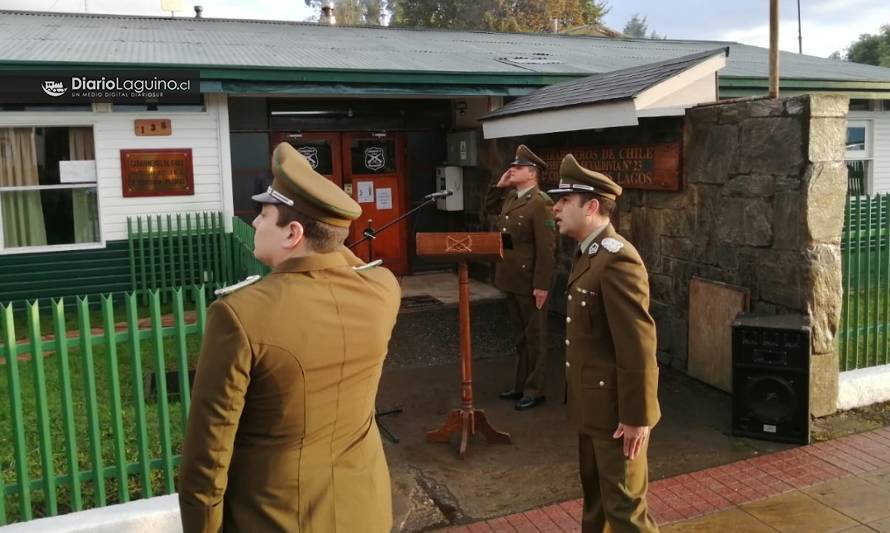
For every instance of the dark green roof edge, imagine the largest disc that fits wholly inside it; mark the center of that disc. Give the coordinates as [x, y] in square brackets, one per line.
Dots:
[804, 83]
[506, 83]
[317, 75]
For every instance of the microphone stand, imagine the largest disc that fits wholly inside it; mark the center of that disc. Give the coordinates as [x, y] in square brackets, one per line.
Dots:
[368, 236]
[370, 233]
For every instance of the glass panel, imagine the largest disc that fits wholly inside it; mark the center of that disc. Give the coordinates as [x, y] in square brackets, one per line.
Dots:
[372, 156]
[48, 217]
[318, 153]
[856, 139]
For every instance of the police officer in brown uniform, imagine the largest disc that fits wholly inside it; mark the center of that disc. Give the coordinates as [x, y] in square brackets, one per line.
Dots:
[611, 370]
[526, 271]
[281, 434]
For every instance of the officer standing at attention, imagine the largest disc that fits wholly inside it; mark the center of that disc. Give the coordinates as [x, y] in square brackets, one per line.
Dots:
[525, 273]
[611, 370]
[281, 434]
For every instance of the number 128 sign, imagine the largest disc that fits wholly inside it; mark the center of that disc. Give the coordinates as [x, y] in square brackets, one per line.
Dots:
[153, 127]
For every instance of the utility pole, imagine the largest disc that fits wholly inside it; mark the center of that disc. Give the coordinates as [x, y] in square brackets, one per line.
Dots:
[774, 48]
[799, 34]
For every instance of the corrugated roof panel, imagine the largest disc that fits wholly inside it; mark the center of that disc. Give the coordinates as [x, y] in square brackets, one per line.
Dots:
[78, 38]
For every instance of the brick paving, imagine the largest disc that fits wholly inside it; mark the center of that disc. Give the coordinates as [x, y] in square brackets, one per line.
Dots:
[690, 496]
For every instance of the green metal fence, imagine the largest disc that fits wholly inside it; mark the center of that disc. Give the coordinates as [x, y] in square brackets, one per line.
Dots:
[245, 264]
[865, 255]
[178, 250]
[92, 417]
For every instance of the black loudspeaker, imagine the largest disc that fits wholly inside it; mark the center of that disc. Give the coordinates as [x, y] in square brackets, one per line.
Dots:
[771, 378]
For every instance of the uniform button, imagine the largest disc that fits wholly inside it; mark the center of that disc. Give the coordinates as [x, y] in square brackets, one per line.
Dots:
[602, 383]
[570, 297]
[523, 266]
[567, 342]
[568, 320]
[583, 304]
[505, 229]
[508, 217]
[568, 364]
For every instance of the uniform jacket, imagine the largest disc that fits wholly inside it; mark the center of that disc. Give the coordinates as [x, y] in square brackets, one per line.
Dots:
[611, 369]
[529, 221]
[281, 433]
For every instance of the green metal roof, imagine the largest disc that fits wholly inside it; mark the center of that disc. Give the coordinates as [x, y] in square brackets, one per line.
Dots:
[240, 54]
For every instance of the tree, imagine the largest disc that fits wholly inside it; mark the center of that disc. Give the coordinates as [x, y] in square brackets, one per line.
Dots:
[496, 15]
[636, 27]
[354, 12]
[870, 49]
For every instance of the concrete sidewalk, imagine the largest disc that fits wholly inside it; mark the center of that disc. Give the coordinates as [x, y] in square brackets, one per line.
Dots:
[838, 485]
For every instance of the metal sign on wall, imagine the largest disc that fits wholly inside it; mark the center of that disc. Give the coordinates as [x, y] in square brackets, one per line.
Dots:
[157, 172]
[638, 166]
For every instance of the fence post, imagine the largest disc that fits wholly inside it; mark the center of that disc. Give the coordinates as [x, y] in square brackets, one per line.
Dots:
[61, 340]
[89, 375]
[44, 436]
[18, 419]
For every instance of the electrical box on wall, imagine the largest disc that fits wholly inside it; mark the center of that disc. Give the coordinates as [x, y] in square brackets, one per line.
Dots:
[463, 148]
[450, 179]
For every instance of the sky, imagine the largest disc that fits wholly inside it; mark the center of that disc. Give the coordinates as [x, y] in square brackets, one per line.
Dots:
[827, 25]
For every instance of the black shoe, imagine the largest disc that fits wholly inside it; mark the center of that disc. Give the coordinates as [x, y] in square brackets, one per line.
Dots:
[510, 395]
[527, 402]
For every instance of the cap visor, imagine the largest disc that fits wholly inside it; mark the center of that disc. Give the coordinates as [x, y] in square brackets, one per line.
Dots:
[558, 192]
[522, 163]
[265, 198]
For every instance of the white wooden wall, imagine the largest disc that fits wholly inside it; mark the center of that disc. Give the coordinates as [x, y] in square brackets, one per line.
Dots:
[206, 133]
[880, 139]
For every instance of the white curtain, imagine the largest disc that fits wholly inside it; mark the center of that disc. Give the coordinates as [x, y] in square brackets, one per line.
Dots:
[23, 223]
[84, 201]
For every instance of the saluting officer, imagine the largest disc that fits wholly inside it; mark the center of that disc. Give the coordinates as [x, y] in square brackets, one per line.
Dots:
[611, 370]
[281, 434]
[525, 214]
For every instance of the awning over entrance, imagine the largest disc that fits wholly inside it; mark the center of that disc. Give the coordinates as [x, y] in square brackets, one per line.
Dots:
[611, 99]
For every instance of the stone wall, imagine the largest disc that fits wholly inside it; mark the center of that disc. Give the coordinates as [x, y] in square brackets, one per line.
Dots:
[762, 207]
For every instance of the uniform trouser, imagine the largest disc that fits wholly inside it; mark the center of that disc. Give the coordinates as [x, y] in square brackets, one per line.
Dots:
[530, 326]
[614, 487]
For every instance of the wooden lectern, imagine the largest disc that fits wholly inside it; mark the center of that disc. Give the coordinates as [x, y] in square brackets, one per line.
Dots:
[459, 247]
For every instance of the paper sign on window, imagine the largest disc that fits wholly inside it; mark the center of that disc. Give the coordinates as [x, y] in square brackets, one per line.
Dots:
[77, 171]
[365, 192]
[384, 198]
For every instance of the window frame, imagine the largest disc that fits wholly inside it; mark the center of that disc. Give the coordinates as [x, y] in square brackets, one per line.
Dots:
[33, 119]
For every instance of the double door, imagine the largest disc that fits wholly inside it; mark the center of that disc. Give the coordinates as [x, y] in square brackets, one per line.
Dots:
[370, 167]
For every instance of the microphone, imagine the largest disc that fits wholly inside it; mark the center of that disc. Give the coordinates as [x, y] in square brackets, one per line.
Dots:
[438, 194]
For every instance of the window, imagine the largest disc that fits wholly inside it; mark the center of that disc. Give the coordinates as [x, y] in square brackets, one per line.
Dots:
[48, 193]
[858, 155]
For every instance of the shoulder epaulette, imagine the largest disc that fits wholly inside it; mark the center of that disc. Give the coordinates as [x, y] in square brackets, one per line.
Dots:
[369, 266]
[612, 245]
[250, 280]
[545, 195]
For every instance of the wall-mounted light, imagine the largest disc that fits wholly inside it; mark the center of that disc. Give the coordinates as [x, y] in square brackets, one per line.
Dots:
[460, 106]
[379, 134]
[295, 136]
